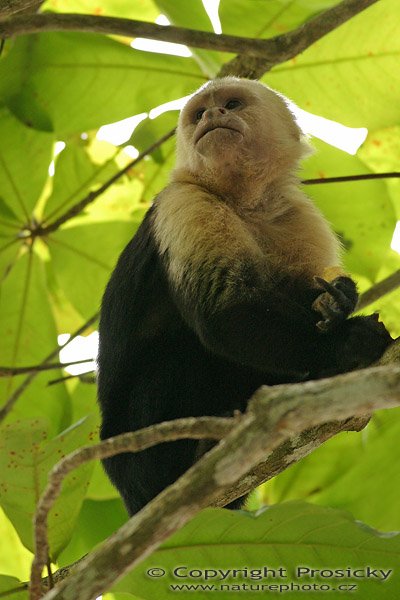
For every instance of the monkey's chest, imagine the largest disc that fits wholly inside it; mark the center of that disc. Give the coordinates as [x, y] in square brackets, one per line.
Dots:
[288, 248]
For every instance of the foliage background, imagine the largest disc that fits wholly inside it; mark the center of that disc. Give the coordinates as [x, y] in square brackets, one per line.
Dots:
[63, 87]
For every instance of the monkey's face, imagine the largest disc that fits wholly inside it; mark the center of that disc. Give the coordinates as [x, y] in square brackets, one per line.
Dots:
[240, 126]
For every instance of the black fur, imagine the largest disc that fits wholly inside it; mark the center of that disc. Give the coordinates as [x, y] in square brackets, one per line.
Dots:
[166, 353]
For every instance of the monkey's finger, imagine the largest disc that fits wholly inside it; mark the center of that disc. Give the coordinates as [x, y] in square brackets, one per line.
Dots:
[337, 294]
[330, 311]
[345, 303]
[324, 326]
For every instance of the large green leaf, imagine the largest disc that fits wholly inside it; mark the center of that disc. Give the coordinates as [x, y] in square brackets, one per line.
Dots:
[367, 479]
[350, 75]
[97, 520]
[26, 323]
[25, 156]
[96, 248]
[361, 212]
[11, 583]
[317, 471]
[345, 473]
[388, 306]
[157, 174]
[192, 15]
[27, 335]
[75, 176]
[26, 457]
[381, 151]
[283, 539]
[15, 559]
[260, 19]
[79, 81]
[149, 131]
[100, 486]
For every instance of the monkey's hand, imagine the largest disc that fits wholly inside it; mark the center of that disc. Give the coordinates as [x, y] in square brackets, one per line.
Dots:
[336, 303]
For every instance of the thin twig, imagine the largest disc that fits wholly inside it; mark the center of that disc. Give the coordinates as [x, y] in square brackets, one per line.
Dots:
[49, 573]
[87, 377]
[10, 371]
[345, 178]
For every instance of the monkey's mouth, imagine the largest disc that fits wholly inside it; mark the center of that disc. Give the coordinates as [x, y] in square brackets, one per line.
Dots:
[210, 128]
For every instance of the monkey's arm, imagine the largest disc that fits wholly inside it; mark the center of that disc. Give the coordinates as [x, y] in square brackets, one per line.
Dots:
[273, 329]
[241, 312]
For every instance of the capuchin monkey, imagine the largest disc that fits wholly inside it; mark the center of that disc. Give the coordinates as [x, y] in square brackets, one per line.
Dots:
[232, 281]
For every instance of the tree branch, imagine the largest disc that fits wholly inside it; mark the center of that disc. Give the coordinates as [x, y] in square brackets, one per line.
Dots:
[387, 285]
[281, 458]
[276, 417]
[265, 53]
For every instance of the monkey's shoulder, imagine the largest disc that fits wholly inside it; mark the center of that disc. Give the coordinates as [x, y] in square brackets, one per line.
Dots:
[191, 222]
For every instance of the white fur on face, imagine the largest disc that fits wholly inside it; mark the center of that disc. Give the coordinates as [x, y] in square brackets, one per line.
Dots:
[258, 139]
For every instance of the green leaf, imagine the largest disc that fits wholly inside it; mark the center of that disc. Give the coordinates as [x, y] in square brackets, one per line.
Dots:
[26, 457]
[389, 305]
[75, 176]
[156, 175]
[381, 151]
[144, 10]
[96, 247]
[7, 213]
[25, 156]
[11, 583]
[289, 537]
[15, 559]
[317, 471]
[102, 80]
[350, 75]
[260, 19]
[344, 473]
[100, 486]
[97, 520]
[360, 212]
[192, 15]
[367, 479]
[150, 130]
[27, 335]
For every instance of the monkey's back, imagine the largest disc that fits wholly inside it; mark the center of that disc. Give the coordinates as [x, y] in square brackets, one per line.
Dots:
[152, 367]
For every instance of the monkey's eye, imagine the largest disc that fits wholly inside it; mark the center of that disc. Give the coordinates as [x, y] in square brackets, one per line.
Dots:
[199, 113]
[233, 103]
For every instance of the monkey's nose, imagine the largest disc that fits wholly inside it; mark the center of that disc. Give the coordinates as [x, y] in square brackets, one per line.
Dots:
[214, 111]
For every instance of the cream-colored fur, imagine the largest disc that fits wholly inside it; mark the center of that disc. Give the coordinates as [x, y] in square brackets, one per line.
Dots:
[234, 194]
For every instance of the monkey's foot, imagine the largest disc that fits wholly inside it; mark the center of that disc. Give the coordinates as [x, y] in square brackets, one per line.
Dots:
[337, 301]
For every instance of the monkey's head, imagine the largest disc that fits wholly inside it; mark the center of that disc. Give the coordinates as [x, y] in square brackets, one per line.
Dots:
[238, 129]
